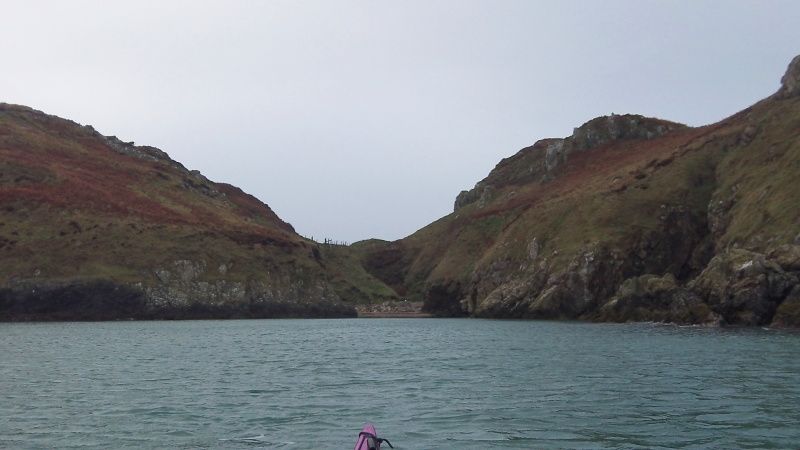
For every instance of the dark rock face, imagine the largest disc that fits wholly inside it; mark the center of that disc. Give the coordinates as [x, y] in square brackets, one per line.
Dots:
[536, 290]
[788, 313]
[98, 299]
[678, 246]
[744, 287]
[387, 264]
[736, 288]
[656, 299]
[444, 300]
[103, 299]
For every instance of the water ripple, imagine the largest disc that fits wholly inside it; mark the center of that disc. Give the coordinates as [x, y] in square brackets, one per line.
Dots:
[425, 384]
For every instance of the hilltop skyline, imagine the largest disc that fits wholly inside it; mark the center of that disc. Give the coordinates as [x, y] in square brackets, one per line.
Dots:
[361, 120]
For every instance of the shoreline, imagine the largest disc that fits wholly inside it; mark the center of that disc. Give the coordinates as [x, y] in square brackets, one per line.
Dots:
[393, 315]
[392, 310]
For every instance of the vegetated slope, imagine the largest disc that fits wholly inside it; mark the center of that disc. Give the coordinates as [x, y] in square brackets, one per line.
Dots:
[95, 228]
[629, 218]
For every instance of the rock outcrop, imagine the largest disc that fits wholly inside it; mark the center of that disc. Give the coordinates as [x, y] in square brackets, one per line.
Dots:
[182, 287]
[790, 82]
[649, 298]
[91, 299]
[745, 287]
[538, 161]
[105, 299]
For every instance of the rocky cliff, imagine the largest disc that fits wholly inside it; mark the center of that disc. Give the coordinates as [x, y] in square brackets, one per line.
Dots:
[629, 218]
[96, 228]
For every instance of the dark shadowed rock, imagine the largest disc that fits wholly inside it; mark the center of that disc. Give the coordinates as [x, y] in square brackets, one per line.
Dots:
[444, 300]
[744, 287]
[788, 313]
[657, 299]
[97, 299]
[104, 299]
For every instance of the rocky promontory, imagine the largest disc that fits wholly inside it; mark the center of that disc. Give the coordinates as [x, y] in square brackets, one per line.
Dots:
[628, 219]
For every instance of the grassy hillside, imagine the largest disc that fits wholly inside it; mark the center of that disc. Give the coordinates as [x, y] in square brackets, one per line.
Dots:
[79, 205]
[344, 266]
[555, 230]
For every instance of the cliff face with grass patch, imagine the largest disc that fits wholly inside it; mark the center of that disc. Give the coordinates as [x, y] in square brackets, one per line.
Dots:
[630, 218]
[95, 228]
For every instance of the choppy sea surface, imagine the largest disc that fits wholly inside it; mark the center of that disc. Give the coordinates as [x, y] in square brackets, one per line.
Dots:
[424, 383]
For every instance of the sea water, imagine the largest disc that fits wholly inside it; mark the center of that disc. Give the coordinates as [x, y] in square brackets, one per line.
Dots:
[424, 383]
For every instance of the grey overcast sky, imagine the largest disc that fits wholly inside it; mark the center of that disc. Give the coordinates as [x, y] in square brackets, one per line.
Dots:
[360, 119]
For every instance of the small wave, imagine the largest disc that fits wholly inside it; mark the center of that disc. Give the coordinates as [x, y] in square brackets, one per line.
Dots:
[260, 440]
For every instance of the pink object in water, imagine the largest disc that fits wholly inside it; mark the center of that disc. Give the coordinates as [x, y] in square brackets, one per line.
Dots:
[368, 439]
